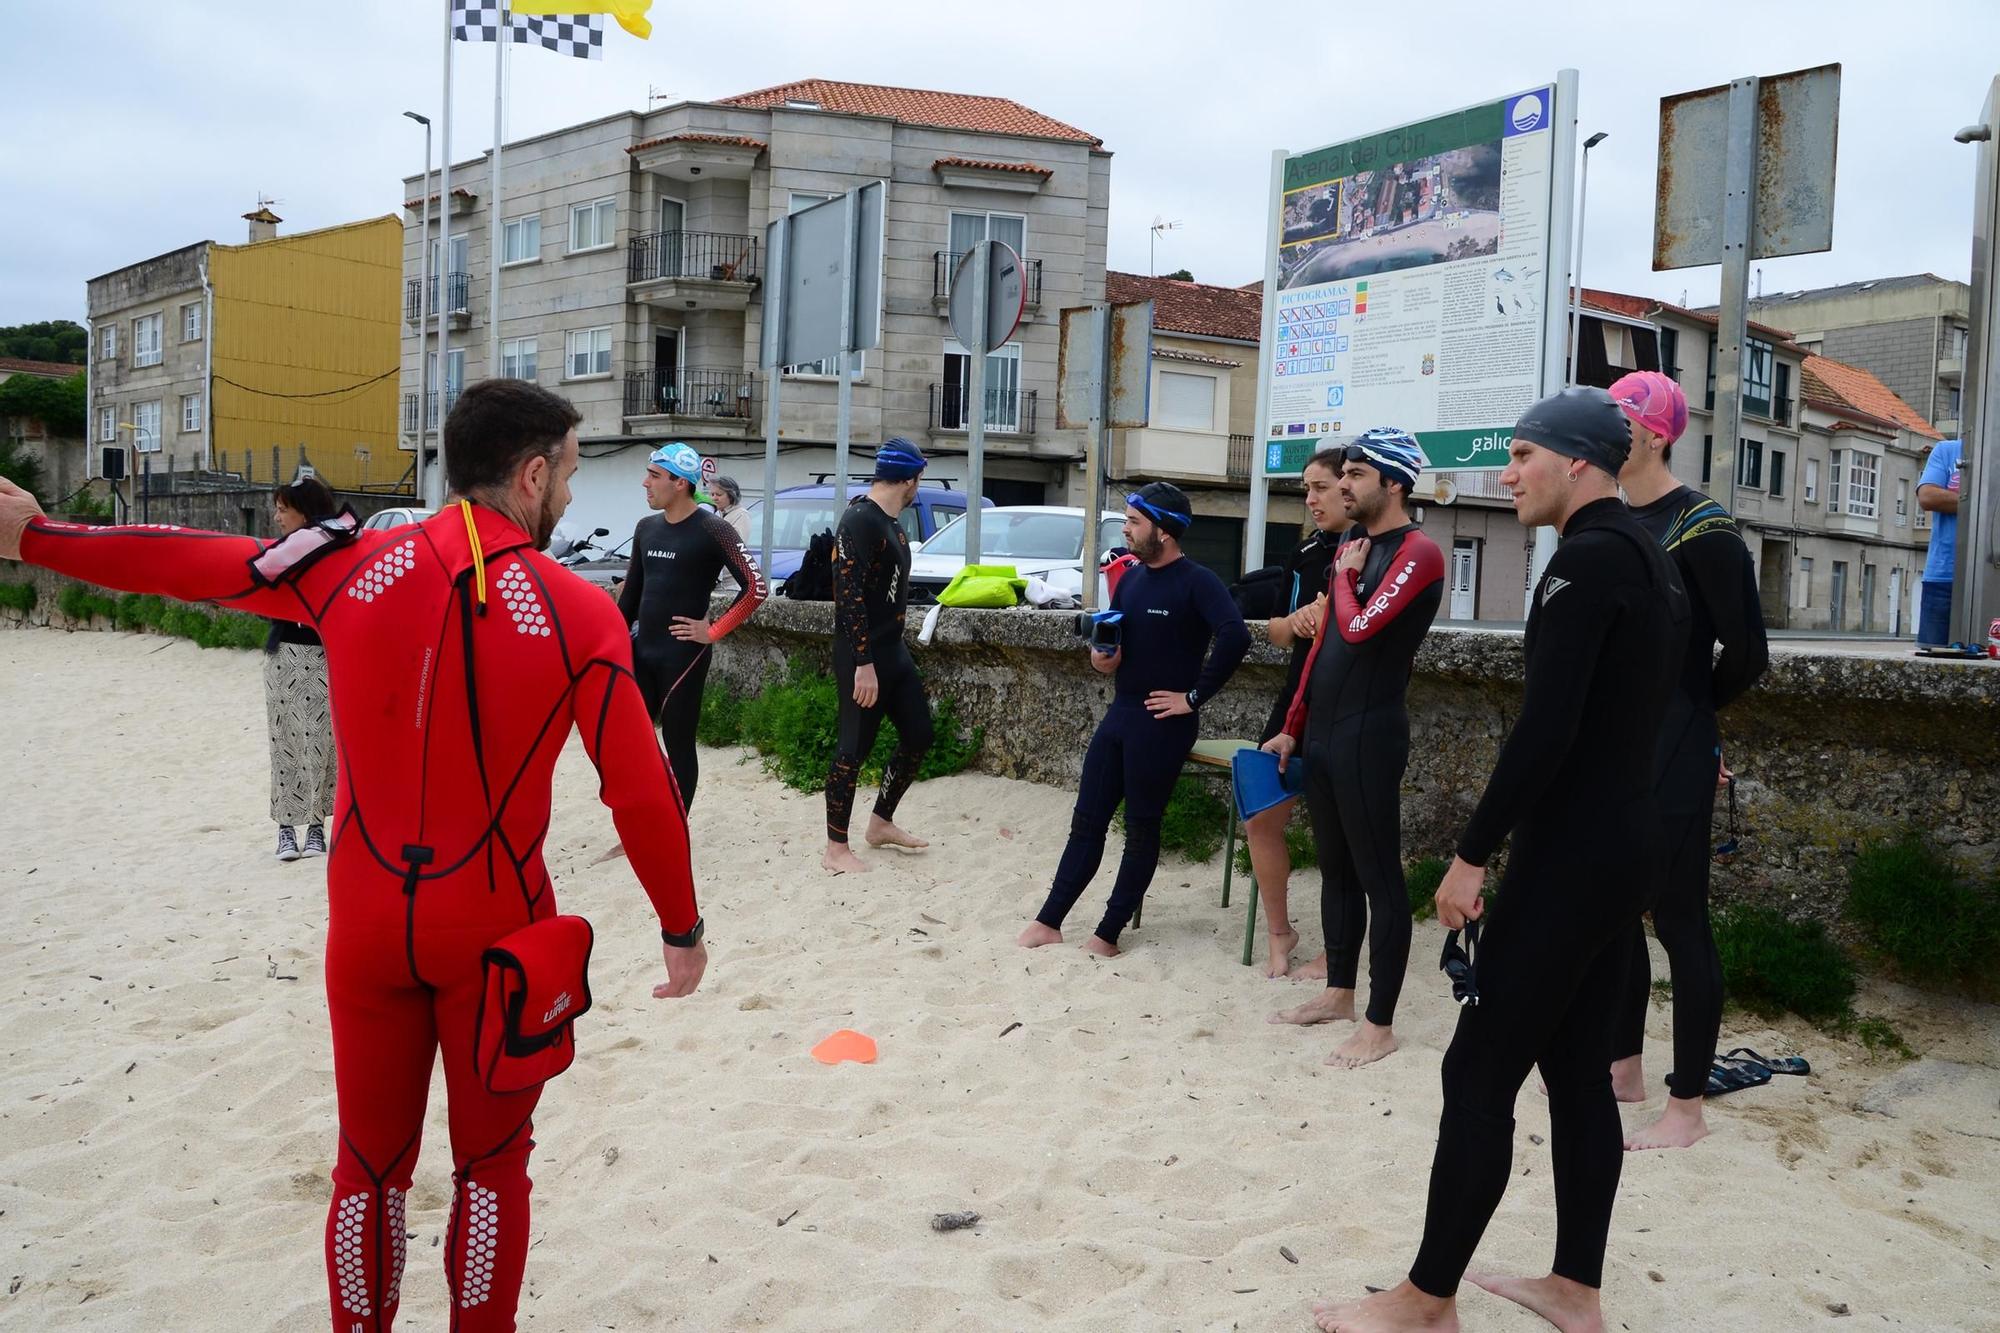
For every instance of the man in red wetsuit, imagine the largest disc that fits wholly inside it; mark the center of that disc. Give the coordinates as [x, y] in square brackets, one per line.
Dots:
[458, 657]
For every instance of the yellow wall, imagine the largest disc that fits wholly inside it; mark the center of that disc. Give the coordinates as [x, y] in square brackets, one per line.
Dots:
[303, 314]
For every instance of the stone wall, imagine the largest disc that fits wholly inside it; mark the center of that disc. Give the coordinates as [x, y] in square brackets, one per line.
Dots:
[1830, 750]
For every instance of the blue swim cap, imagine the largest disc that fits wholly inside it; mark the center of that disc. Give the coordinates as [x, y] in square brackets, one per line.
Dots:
[1392, 452]
[899, 460]
[678, 460]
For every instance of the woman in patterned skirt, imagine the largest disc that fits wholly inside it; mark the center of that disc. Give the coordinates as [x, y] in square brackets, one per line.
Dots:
[295, 700]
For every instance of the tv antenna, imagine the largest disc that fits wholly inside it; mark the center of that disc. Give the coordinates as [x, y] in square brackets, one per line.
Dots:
[1160, 224]
[655, 94]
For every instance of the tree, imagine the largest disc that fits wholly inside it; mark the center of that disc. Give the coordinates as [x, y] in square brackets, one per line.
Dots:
[21, 469]
[1179, 275]
[59, 405]
[53, 340]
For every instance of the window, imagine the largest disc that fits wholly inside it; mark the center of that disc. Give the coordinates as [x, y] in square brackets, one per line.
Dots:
[517, 359]
[593, 226]
[1003, 388]
[1670, 353]
[1777, 475]
[1952, 399]
[968, 229]
[190, 413]
[107, 343]
[1812, 481]
[146, 340]
[1781, 401]
[1833, 496]
[1802, 594]
[146, 416]
[521, 239]
[1902, 502]
[1184, 402]
[1707, 457]
[1862, 471]
[1750, 464]
[1711, 382]
[191, 322]
[454, 380]
[107, 425]
[1757, 376]
[587, 352]
[461, 251]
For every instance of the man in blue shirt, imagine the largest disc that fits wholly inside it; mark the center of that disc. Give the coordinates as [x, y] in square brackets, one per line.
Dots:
[1937, 492]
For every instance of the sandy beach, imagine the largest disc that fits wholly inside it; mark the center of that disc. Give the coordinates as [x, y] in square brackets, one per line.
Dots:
[1143, 1148]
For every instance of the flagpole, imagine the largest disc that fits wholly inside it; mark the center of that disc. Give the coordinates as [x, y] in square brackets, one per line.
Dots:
[495, 227]
[435, 476]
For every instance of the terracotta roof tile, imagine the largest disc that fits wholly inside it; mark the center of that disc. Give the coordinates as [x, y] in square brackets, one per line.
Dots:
[457, 192]
[1176, 354]
[724, 140]
[1192, 307]
[1025, 168]
[15, 365]
[917, 106]
[1851, 390]
[1645, 307]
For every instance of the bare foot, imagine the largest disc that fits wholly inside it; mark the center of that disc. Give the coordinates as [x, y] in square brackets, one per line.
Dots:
[1401, 1309]
[1570, 1306]
[1035, 935]
[1281, 953]
[1102, 948]
[1628, 1079]
[1329, 1006]
[1368, 1044]
[1680, 1126]
[1313, 971]
[840, 858]
[882, 833]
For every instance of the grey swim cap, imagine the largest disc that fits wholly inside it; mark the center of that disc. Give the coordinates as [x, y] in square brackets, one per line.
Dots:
[1580, 422]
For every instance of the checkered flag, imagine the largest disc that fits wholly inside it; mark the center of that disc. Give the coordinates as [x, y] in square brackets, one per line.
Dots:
[579, 35]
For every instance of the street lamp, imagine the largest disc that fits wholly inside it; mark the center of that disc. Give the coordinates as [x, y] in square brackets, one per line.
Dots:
[423, 305]
[1576, 297]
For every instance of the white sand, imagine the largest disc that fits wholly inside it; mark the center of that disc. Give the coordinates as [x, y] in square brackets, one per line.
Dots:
[1140, 1148]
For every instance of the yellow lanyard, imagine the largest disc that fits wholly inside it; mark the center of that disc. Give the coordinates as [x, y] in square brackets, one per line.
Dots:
[478, 555]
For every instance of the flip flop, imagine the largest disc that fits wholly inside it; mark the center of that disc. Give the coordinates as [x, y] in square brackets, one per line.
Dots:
[1784, 1064]
[1729, 1075]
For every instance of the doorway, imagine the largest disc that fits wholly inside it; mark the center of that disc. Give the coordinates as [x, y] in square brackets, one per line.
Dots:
[1837, 602]
[667, 371]
[1465, 578]
[673, 233]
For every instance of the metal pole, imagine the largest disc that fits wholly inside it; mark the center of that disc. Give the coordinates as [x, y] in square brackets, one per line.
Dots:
[495, 228]
[1267, 340]
[975, 432]
[1975, 600]
[1739, 222]
[774, 376]
[424, 320]
[844, 412]
[1576, 268]
[1093, 500]
[434, 497]
[1562, 160]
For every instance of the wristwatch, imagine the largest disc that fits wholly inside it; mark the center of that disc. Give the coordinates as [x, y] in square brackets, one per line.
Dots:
[1193, 700]
[688, 939]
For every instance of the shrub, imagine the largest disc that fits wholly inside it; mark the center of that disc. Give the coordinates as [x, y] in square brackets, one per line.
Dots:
[721, 721]
[1193, 824]
[1771, 964]
[1423, 876]
[1298, 846]
[1935, 926]
[81, 603]
[793, 723]
[1877, 1034]
[18, 596]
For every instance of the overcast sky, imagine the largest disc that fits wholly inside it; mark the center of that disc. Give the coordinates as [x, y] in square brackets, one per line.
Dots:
[135, 128]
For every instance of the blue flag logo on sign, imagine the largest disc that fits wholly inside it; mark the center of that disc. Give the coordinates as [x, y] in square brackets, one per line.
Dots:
[1526, 114]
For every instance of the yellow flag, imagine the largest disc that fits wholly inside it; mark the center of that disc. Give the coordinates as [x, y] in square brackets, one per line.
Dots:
[631, 14]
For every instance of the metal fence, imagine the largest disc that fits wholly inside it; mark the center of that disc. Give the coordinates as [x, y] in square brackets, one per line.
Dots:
[1008, 411]
[431, 415]
[457, 288]
[691, 393]
[718, 256]
[1239, 458]
[945, 263]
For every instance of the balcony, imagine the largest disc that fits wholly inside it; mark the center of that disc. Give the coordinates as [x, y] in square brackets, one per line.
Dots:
[1008, 411]
[706, 402]
[692, 270]
[431, 416]
[457, 290]
[1951, 367]
[944, 263]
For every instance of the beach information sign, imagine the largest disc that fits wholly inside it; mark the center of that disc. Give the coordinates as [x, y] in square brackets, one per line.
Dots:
[1414, 284]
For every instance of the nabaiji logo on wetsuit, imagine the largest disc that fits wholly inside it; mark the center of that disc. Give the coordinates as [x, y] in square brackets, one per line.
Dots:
[1381, 601]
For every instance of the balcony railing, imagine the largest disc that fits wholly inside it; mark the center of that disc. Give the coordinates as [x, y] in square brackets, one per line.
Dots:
[1008, 411]
[1238, 466]
[945, 263]
[724, 394]
[713, 255]
[431, 402]
[457, 286]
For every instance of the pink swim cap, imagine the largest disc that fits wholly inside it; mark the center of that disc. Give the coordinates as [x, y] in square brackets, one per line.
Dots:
[1654, 401]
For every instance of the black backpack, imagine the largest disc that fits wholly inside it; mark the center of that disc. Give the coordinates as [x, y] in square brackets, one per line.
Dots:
[1260, 594]
[813, 581]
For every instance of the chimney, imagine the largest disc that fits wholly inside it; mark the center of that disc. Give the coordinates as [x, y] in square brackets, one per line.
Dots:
[263, 224]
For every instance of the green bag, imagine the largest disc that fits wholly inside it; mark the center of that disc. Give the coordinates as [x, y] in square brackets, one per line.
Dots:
[983, 585]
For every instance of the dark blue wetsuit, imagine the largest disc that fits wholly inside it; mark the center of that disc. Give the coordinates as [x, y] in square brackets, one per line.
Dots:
[1306, 570]
[1353, 731]
[1171, 615]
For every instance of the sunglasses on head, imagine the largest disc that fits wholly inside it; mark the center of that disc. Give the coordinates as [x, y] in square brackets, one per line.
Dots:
[1459, 964]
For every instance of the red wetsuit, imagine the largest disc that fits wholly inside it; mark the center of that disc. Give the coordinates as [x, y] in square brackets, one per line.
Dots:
[448, 721]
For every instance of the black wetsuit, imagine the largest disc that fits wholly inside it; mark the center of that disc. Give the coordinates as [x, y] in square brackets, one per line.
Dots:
[1304, 579]
[1574, 784]
[1353, 731]
[871, 591]
[672, 572]
[1721, 583]
[1171, 615]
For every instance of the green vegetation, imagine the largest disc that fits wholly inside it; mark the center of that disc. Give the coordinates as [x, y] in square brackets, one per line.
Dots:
[18, 466]
[1771, 965]
[18, 596]
[52, 340]
[1931, 924]
[1195, 821]
[791, 722]
[137, 611]
[58, 404]
[1424, 875]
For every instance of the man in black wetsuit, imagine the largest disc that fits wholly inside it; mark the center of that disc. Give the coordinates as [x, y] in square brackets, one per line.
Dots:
[677, 556]
[1171, 610]
[873, 672]
[1721, 583]
[1350, 721]
[1574, 785]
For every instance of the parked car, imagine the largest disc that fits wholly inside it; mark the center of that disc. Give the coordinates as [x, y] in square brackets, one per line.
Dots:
[1045, 540]
[806, 510]
[395, 518]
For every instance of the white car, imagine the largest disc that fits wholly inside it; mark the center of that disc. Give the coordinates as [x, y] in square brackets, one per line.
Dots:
[395, 518]
[1044, 540]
